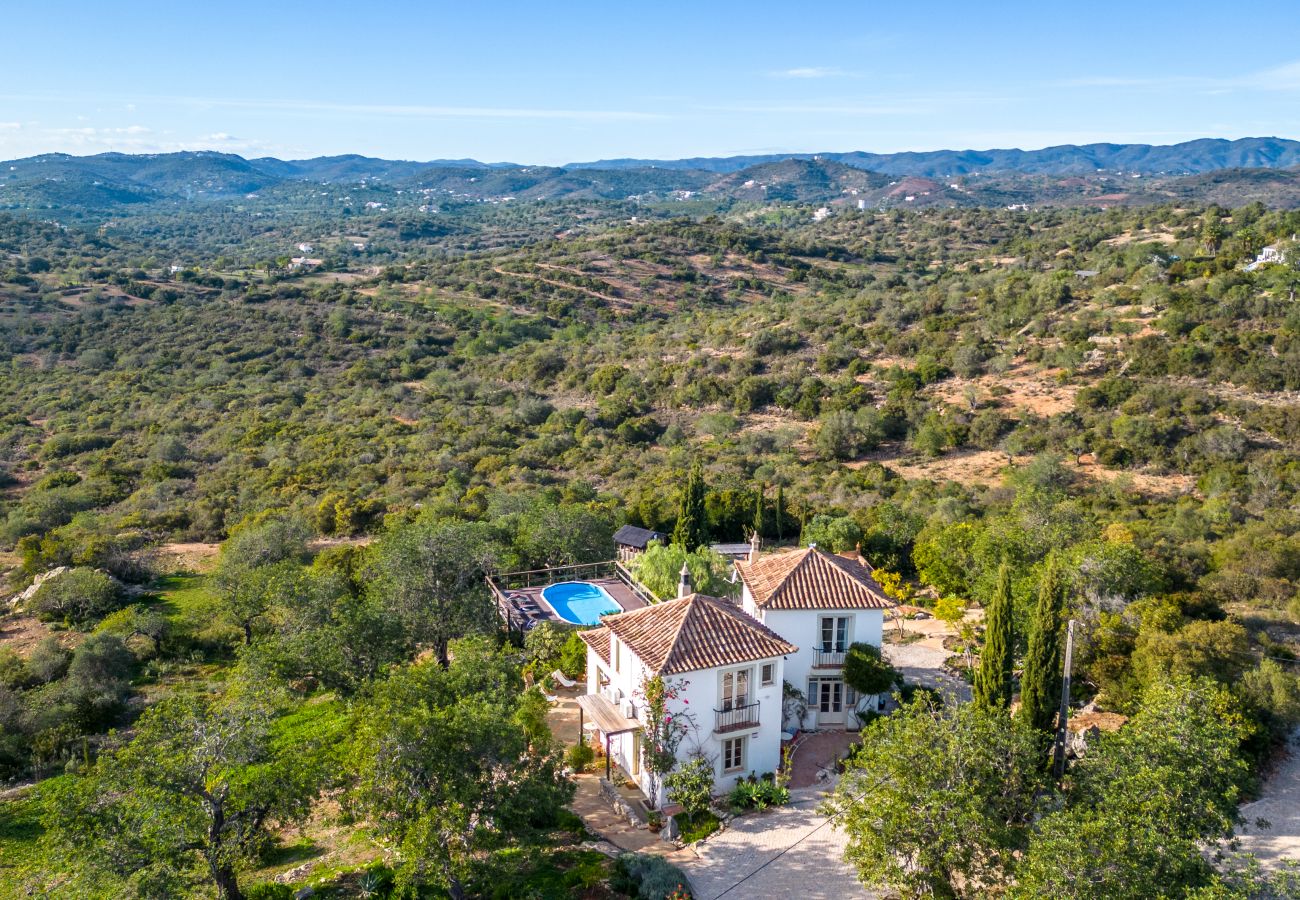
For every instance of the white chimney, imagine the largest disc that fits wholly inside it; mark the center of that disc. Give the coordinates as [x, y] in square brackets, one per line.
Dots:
[754, 543]
[684, 585]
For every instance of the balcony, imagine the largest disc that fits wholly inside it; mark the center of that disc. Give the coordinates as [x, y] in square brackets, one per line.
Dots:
[828, 659]
[736, 718]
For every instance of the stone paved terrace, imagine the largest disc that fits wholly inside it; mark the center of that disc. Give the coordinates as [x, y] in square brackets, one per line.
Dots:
[787, 852]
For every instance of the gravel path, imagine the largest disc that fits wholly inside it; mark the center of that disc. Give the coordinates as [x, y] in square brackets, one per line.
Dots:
[1279, 804]
[921, 662]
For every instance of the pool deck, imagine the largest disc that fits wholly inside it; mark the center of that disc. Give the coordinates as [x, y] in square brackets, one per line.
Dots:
[613, 586]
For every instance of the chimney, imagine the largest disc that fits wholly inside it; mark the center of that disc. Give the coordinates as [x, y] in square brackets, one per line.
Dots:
[754, 543]
[684, 585]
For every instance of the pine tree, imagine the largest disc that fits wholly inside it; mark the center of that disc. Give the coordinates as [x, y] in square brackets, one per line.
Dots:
[1040, 685]
[691, 530]
[993, 680]
[758, 510]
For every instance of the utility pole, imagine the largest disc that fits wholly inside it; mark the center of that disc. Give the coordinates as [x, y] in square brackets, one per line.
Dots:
[1063, 715]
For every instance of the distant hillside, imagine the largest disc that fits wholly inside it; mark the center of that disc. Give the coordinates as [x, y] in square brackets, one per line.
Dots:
[798, 180]
[1202, 155]
[1093, 175]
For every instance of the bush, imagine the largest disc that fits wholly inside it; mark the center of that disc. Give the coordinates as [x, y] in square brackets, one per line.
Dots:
[573, 657]
[648, 878]
[692, 786]
[269, 890]
[757, 793]
[579, 757]
[78, 595]
[48, 661]
[13, 671]
[867, 671]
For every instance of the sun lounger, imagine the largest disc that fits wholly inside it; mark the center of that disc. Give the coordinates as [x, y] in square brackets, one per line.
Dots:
[560, 677]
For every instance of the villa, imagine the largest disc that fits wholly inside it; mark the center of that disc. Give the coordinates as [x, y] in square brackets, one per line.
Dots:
[725, 672]
[728, 663]
[824, 603]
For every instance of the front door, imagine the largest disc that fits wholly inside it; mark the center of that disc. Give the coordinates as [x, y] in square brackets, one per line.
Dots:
[830, 703]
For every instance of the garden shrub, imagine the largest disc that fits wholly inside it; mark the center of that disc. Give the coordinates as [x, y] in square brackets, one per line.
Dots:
[691, 786]
[648, 878]
[757, 793]
[579, 757]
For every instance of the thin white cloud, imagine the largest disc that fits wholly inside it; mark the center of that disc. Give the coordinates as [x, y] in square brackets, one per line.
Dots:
[1285, 77]
[413, 111]
[810, 72]
[820, 110]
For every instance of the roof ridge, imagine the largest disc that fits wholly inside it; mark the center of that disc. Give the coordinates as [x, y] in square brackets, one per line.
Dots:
[692, 631]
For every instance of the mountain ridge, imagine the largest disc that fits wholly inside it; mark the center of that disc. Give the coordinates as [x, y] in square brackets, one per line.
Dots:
[1188, 157]
[1245, 170]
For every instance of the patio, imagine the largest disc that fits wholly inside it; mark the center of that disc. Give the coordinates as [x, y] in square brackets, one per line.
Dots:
[819, 752]
[521, 604]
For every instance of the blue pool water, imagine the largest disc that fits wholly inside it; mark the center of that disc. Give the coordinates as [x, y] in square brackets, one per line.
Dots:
[580, 602]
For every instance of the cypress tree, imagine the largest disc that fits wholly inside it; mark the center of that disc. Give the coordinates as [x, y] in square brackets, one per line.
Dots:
[691, 530]
[780, 514]
[1040, 686]
[758, 510]
[993, 680]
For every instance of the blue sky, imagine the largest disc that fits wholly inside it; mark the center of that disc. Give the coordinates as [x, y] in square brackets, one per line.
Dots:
[553, 83]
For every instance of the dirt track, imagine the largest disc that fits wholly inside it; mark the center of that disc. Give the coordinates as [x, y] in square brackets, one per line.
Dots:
[1279, 804]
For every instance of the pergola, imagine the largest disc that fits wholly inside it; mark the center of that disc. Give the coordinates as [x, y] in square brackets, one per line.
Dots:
[607, 718]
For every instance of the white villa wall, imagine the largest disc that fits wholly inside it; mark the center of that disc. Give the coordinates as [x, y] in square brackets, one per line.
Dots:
[699, 697]
[802, 627]
[763, 743]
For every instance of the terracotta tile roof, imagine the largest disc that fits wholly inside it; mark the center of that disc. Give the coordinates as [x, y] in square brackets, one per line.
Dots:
[694, 632]
[812, 579]
[597, 639]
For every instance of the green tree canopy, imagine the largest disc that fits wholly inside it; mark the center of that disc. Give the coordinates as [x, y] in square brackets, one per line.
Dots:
[936, 798]
[1143, 804]
[190, 798]
[429, 577]
[691, 530]
[446, 764]
[1040, 685]
[660, 568]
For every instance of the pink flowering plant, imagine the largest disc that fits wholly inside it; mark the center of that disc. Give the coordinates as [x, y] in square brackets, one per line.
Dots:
[664, 730]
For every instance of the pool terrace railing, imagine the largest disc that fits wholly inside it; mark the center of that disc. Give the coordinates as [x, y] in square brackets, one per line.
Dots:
[501, 585]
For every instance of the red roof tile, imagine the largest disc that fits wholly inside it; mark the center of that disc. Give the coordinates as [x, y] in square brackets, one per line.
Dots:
[694, 632]
[812, 579]
[597, 639]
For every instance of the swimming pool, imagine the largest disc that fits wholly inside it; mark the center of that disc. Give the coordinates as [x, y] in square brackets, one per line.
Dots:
[580, 602]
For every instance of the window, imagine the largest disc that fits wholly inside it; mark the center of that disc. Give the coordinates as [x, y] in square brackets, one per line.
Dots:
[834, 634]
[769, 674]
[614, 644]
[735, 688]
[733, 754]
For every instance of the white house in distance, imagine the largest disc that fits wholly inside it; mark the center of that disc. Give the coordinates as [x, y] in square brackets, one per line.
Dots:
[823, 603]
[725, 667]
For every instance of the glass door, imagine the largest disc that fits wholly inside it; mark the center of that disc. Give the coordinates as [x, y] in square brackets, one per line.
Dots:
[735, 689]
[830, 702]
